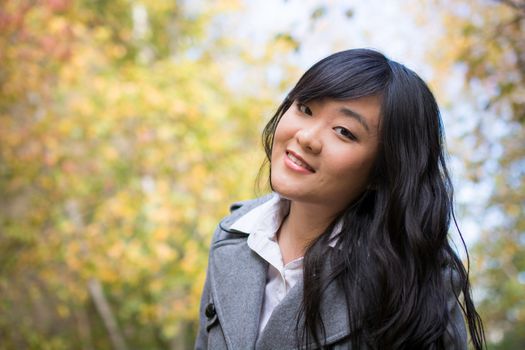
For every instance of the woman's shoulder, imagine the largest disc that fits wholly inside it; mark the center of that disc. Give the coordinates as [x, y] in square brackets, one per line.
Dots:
[455, 336]
[452, 274]
[237, 210]
[242, 207]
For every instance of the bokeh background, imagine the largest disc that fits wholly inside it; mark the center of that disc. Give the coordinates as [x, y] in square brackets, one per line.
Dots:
[128, 126]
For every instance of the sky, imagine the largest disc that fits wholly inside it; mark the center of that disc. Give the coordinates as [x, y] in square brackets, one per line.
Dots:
[384, 25]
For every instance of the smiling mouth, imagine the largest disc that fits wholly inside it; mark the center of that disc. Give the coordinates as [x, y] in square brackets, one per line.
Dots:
[299, 162]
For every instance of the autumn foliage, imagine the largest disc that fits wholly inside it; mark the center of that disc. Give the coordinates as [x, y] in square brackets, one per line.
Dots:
[127, 127]
[119, 153]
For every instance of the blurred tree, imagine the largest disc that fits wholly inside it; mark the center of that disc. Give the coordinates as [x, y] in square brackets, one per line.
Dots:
[121, 144]
[487, 39]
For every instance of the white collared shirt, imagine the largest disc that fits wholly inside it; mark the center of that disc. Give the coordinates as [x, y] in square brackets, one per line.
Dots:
[262, 224]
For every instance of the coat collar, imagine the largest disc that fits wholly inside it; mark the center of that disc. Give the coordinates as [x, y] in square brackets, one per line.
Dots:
[238, 279]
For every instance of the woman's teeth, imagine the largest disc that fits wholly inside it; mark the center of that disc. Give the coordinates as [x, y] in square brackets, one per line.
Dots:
[298, 162]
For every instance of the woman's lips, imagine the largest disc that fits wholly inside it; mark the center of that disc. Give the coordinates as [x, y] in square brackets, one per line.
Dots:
[294, 161]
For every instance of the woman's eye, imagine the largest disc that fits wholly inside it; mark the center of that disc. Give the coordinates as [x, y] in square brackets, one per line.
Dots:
[345, 133]
[304, 108]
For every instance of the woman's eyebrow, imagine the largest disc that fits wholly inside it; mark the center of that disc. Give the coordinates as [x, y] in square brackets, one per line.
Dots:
[353, 114]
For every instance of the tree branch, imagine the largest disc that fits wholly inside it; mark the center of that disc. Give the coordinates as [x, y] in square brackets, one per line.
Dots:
[103, 308]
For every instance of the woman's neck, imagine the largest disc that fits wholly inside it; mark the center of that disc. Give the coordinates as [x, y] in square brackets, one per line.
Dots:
[304, 223]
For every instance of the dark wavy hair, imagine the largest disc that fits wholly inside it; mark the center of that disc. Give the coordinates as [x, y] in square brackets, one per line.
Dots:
[393, 248]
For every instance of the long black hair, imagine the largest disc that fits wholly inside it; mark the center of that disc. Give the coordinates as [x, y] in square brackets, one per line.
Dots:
[393, 249]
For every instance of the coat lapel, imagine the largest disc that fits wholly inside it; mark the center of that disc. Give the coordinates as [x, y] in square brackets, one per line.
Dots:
[280, 331]
[238, 277]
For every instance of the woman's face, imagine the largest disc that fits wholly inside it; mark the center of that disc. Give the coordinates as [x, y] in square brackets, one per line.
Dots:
[323, 151]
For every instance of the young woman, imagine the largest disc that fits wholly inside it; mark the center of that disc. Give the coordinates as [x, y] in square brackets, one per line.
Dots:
[351, 248]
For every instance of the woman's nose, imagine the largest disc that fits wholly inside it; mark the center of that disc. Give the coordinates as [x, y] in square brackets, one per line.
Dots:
[309, 140]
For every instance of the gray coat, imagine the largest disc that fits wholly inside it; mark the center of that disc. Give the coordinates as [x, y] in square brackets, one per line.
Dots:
[233, 295]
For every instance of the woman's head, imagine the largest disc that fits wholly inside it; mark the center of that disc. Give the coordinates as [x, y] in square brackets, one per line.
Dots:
[407, 131]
